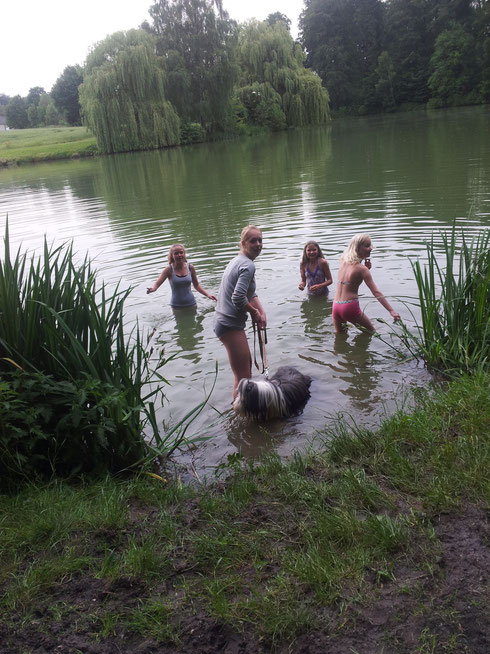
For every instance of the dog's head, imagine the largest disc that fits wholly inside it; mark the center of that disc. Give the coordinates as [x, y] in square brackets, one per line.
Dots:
[246, 402]
[261, 399]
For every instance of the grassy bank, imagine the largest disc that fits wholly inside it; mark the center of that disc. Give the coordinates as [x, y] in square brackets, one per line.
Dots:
[379, 543]
[35, 145]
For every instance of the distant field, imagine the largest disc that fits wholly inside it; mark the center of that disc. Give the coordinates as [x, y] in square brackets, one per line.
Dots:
[42, 144]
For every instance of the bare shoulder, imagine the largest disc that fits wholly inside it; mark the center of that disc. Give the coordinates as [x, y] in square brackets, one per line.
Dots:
[363, 271]
[323, 262]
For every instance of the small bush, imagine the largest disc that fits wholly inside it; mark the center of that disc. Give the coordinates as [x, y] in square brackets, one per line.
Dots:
[61, 427]
[192, 133]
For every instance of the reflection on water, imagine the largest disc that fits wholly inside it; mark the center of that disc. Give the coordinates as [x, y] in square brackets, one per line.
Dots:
[188, 326]
[315, 312]
[252, 439]
[356, 367]
[397, 177]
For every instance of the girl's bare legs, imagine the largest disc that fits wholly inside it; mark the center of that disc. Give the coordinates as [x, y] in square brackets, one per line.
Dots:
[364, 321]
[340, 326]
[236, 345]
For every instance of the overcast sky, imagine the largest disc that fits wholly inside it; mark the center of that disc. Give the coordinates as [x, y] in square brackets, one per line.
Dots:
[39, 38]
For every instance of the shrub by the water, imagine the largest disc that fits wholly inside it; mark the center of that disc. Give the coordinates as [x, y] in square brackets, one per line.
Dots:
[62, 427]
[192, 133]
[72, 394]
[455, 305]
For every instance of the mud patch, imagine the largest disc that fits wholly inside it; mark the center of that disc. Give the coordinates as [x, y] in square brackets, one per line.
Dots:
[435, 603]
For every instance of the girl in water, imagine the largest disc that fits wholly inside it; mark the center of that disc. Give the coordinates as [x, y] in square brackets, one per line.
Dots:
[236, 298]
[352, 273]
[180, 274]
[314, 270]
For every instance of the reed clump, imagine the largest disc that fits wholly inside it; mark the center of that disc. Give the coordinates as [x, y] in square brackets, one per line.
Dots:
[455, 305]
[74, 385]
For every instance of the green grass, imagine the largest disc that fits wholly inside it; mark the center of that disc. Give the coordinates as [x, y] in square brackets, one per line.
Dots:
[42, 144]
[273, 549]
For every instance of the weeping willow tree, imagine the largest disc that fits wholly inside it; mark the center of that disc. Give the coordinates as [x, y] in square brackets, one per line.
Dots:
[276, 88]
[197, 46]
[122, 95]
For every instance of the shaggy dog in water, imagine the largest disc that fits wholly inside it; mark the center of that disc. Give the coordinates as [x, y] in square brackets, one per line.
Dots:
[284, 395]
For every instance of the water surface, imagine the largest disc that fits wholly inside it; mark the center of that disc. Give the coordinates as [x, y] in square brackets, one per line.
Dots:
[400, 178]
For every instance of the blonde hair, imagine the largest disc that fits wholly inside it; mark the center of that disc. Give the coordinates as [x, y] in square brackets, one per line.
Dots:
[171, 252]
[351, 253]
[246, 231]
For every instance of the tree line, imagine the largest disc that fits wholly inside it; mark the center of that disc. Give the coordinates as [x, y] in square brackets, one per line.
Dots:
[41, 109]
[192, 73]
[376, 55]
[188, 75]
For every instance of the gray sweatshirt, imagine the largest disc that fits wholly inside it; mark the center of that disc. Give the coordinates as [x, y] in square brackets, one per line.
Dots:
[236, 290]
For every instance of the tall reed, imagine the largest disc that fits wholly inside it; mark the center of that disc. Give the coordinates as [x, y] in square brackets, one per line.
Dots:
[75, 385]
[455, 305]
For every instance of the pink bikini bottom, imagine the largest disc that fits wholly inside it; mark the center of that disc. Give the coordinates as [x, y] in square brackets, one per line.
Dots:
[346, 311]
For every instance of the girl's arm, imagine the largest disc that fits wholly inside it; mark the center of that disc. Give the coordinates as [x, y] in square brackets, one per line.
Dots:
[198, 286]
[256, 310]
[378, 295]
[165, 275]
[302, 272]
[324, 267]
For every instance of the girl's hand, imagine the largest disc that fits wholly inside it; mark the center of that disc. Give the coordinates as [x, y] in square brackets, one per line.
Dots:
[259, 319]
[368, 264]
[262, 321]
[301, 286]
[396, 316]
[316, 287]
[212, 297]
[150, 290]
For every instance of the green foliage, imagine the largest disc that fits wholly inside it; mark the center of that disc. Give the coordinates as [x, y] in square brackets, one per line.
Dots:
[122, 95]
[192, 133]
[65, 94]
[197, 45]
[51, 116]
[343, 42]
[482, 30]
[62, 428]
[385, 73]
[278, 17]
[262, 105]
[455, 330]
[35, 110]
[346, 42]
[34, 96]
[79, 401]
[275, 88]
[453, 66]
[16, 113]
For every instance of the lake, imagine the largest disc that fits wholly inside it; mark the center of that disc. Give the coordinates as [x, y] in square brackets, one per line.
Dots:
[401, 178]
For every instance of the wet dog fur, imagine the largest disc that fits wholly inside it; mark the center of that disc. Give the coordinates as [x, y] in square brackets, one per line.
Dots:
[284, 395]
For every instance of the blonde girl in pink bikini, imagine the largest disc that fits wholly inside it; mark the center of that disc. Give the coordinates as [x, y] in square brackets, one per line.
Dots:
[352, 273]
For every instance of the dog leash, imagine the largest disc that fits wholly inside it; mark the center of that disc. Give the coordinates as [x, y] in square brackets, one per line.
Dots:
[263, 355]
